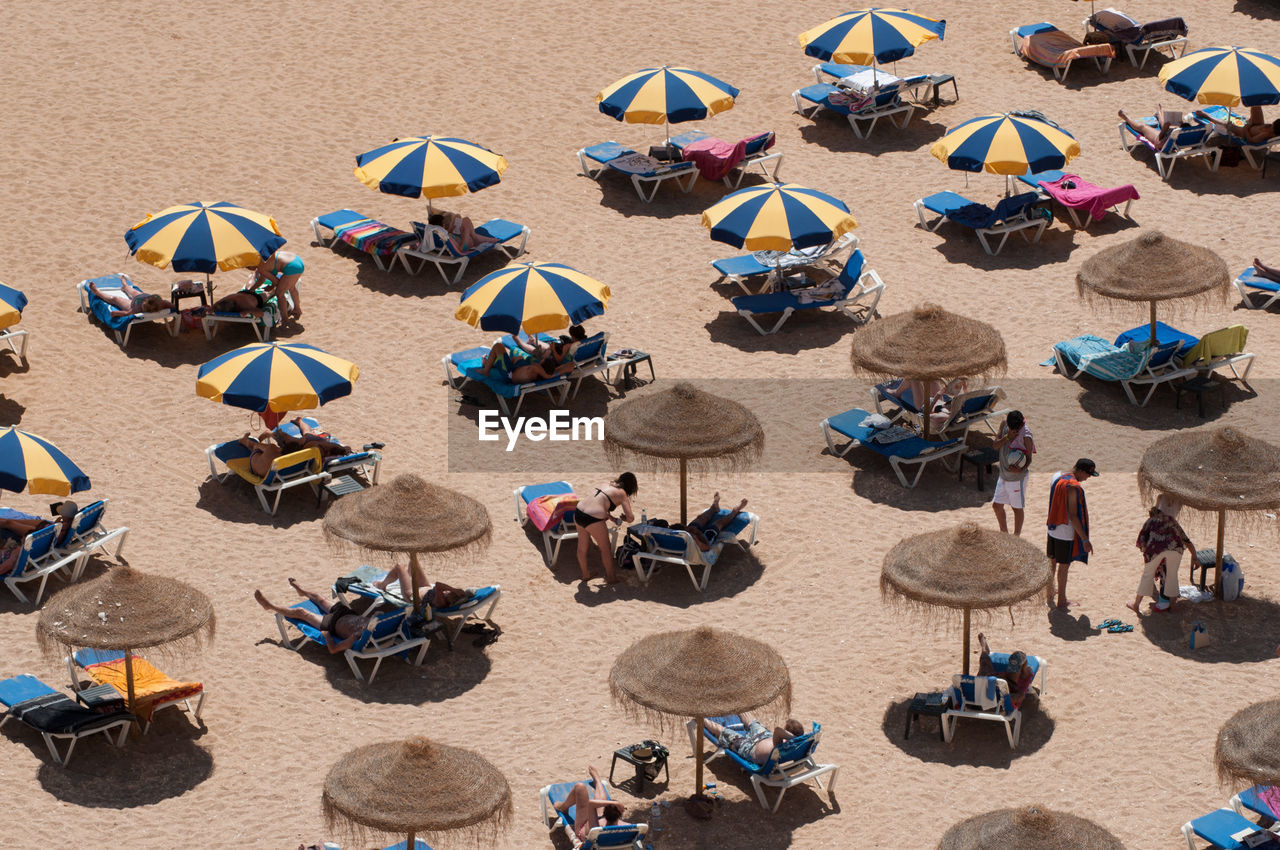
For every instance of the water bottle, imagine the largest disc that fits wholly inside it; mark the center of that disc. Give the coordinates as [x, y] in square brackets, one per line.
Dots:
[655, 821]
[644, 516]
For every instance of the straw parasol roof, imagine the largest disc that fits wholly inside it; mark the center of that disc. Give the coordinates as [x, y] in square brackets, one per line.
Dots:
[409, 514]
[1028, 828]
[1222, 469]
[125, 609]
[1248, 748]
[416, 787]
[681, 425]
[1154, 267]
[928, 343]
[965, 567]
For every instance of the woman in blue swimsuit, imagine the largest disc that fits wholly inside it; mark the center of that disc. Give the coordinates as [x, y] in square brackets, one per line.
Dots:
[280, 273]
[592, 516]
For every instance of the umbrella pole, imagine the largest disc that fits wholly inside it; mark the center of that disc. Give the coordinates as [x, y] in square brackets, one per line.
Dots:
[128, 676]
[684, 504]
[697, 757]
[966, 642]
[1153, 324]
[411, 843]
[1217, 566]
[926, 415]
[413, 573]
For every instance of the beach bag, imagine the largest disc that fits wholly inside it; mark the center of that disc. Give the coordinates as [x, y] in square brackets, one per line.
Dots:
[630, 545]
[1232, 579]
[1199, 635]
[1231, 157]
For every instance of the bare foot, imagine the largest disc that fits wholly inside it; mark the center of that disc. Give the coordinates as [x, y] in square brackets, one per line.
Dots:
[715, 501]
[262, 600]
[294, 584]
[1133, 606]
[1123, 117]
[741, 506]
[1257, 263]
[1064, 604]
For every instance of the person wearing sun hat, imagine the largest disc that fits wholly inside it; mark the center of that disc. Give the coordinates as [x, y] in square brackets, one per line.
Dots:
[1068, 524]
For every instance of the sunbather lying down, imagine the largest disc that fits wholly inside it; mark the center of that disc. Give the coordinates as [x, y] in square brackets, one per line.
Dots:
[129, 299]
[591, 807]
[309, 438]
[435, 594]
[339, 625]
[756, 742]
[706, 526]
[524, 365]
[1262, 270]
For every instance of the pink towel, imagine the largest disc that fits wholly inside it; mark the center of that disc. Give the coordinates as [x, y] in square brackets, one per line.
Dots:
[1070, 191]
[545, 512]
[714, 157]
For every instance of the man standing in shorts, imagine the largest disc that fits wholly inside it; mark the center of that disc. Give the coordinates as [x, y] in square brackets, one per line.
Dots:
[1068, 525]
[1011, 485]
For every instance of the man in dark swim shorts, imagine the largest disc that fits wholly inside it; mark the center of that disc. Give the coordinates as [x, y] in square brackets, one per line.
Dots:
[338, 623]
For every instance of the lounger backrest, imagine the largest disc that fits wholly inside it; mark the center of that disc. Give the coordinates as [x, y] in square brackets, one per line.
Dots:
[852, 270]
[758, 144]
[1163, 353]
[435, 239]
[293, 465]
[672, 542]
[37, 545]
[1116, 24]
[981, 692]
[383, 626]
[1014, 205]
[231, 450]
[1161, 30]
[591, 348]
[1186, 137]
[88, 517]
[798, 748]
[614, 836]
[1223, 342]
[900, 395]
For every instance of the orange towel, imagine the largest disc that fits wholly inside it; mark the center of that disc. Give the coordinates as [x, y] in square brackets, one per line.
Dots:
[150, 686]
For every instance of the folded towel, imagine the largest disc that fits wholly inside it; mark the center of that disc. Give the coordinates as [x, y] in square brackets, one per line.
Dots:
[892, 435]
[714, 157]
[546, 512]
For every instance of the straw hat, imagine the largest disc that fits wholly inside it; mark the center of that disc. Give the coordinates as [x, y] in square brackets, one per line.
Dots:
[416, 786]
[661, 429]
[409, 514]
[1248, 748]
[928, 343]
[964, 567]
[1028, 828]
[125, 609]
[700, 672]
[1222, 469]
[1154, 267]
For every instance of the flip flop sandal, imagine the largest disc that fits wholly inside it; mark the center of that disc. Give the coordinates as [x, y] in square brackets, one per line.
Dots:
[1106, 624]
[1119, 628]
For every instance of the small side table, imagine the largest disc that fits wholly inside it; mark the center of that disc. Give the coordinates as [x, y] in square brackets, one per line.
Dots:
[938, 80]
[176, 296]
[103, 698]
[982, 459]
[647, 769]
[628, 366]
[341, 485]
[934, 705]
[1199, 386]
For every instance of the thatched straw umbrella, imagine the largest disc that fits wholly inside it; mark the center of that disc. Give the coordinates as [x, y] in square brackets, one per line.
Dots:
[1215, 471]
[126, 610]
[1028, 828]
[965, 567]
[1154, 267]
[928, 344]
[699, 673]
[1248, 748]
[411, 515]
[680, 427]
[417, 787]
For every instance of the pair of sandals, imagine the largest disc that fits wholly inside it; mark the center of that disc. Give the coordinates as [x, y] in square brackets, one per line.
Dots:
[1114, 626]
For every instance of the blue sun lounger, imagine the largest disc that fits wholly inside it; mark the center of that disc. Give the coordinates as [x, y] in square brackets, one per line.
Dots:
[566, 529]
[631, 835]
[1132, 363]
[790, 764]
[1249, 801]
[360, 583]
[643, 170]
[589, 359]
[675, 547]
[1222, 828]
[860, 291]
[1185, 142]
[38, 558]
[120, 325]
[1258, 293]
[902, 454]
[1014, 214]
[435, 245]
[386, 635]
[55, 715]
[886, 103]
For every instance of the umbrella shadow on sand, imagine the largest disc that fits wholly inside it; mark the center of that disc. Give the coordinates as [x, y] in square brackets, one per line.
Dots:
[804, 332]
[734, 572]
[877, 483]
[1258, 9]
[832, 132]
[1242, 631]
[444, 674]
[235, 501]
[10, 411]
[165, 763]
[979, 743]
[1105, 401]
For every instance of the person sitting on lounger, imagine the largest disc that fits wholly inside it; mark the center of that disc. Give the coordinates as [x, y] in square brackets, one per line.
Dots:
[1017, 671]
[435, 594]
[462, 233]
[244, 301]
[339, 625]
[1157, 136]
[262, 452]
[129, 300]
[20, 528]
[706, 526]
[521, 366]
[755, 743]
[591, 807]
[309, 437]
[1256, 131]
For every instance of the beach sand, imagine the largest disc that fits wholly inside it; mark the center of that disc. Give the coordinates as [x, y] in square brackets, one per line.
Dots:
[116, 112]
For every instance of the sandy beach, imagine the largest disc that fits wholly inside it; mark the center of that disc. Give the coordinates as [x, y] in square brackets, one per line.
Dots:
[113, 113]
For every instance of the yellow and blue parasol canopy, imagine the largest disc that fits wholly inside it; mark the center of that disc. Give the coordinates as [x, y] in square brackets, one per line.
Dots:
[778, 217]
[535, 297]
[666, 95]
[276, 376]
[1007, 143]
[430, 167]
[204, 237]
[868, 36]
[1224, 76]
[34, 464]
[12, 303]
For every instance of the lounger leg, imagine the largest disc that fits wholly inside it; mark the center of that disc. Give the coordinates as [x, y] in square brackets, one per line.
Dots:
[462, 269]
[53, 749]
[639, 184]
[13, 585]
[198, 708]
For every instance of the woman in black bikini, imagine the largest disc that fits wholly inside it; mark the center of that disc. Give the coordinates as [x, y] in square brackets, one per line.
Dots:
[244, 301]
[338, 623]
[592, 516]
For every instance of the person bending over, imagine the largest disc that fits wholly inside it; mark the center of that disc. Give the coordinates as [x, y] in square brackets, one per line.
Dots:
[1017, 671]
[590, 806]
[706, 526]
[280, 274]
[755, 742]
[129, 300]
[338, 624]
[592, 517]
[435, 594]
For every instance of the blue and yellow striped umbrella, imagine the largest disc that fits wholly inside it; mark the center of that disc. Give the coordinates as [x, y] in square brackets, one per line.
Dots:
[34, 464]
[204, 237]
[535, 297]
[430, 167]
[777, 217]
[1224, 76]
[869, 36]
[276, 376]
[666, 95]
[12, 303]
[1008, 143]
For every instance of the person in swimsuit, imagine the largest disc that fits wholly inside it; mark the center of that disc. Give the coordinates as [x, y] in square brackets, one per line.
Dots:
[329, 447]
[755, 743]
[522, 366]
[247, 301]
[592, 515]
[262, 453]
[591, 808]
[280, 273]
[1262, 270]
[462, 233]
[129, 300]
[1257, 131]
[19, 529]
[435, 594]
[339, 625]
[706, 526]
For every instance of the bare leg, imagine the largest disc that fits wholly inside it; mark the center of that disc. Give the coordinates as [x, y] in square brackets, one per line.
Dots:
[23, 527]
[1133, 606]
[496, 354]
[583, 816]
[724, 521]
[584, 550]
[397, 573]
[713, 727]
[600, 533]
[1063, 602]
[597, 792]
[1001, 520]
[710, 513]
[1263, 270]
[316, 599]
[288, 285]
[311, 618]
[467, 236]
[1151, 134]
[1018, 515]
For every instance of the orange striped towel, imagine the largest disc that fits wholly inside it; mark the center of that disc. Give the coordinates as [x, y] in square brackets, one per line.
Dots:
[150, 686]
